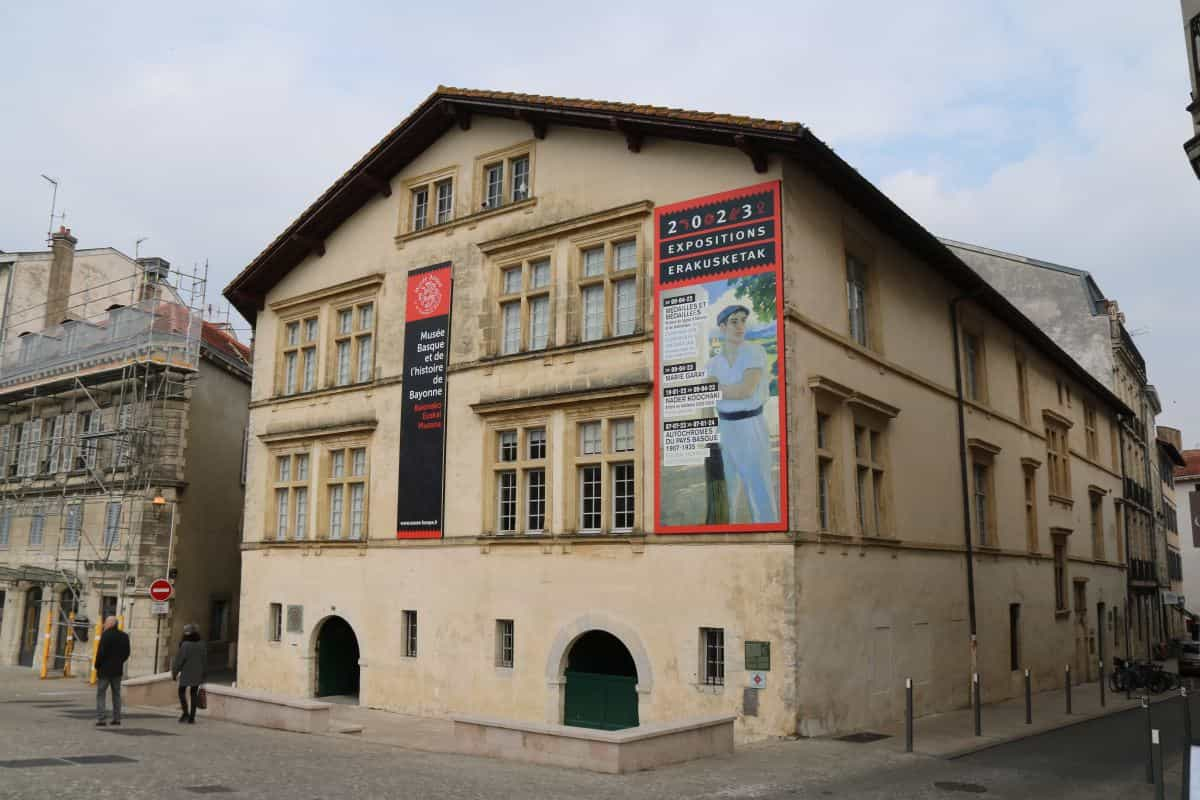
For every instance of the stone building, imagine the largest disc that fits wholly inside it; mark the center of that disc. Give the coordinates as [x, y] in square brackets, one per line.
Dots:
[1191, 33]
[1170, 458]
[122, 422]
[948, 499]
[1069, 306]
[1187, 505]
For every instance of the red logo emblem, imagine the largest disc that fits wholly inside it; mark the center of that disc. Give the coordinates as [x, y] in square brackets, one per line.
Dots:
[428, 294]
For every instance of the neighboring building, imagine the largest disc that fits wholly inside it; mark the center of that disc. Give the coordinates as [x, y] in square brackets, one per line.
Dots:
[553, 592]
[1187, 505]
[1191, 32]
[1169, 443]
[122, 421]
[1070, 307]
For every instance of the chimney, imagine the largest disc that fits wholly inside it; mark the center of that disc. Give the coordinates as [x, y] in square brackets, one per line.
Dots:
[58, 286]
[154, 275]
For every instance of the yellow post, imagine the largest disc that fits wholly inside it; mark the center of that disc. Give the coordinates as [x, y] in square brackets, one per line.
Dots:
[95, 647]
[46, 641]
[70, 644]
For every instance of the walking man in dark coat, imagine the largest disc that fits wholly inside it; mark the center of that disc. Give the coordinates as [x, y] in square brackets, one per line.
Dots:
[111, 655]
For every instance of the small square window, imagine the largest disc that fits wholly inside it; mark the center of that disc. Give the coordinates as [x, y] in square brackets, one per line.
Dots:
[285, 468]
[589, 437]
[512, 281]
[624, 256]
[293, 333]
[366, 317]
[310, 330]
[345, 320]
[337, 467]
[622, 430]
[593, 262]
[540, 273]
[537, 443]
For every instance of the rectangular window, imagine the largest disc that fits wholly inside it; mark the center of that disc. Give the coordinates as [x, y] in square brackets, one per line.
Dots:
[520, 178]
[973, 366]
[37, 528]
[535, 500]
[275, 623]
[1097, 524]
[870, 481]
[825, 472]
[712, 656]
[445, 201]
[525, 309]
[1089, 429]
[1022, 390]
[299, 356]
[506, 498]
[354, 343]
[420, 208]
[608, 286]
[589, 436]
[291, 496]
[1014, 636]
[55, 448]
[622, 435]
[112, 524]
[1031, 524]
[591, 498]
[1060, 572]
[346, 492]
[5, 526]
[504, 643]
[410, 633]
[520, 481]
[856, 296]
[982, 503]
[493, 178]
[72, 524]
[1058, 460]
[623, 496]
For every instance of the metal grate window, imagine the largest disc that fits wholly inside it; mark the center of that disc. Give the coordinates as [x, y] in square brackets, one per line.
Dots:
[712, 642]
[504, 643]
[275, 622]
[410, 634]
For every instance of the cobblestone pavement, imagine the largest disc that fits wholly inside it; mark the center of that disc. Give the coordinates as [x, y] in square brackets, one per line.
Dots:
[156, 757]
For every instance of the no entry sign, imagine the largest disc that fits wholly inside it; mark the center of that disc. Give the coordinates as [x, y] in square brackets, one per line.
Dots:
[161, 590]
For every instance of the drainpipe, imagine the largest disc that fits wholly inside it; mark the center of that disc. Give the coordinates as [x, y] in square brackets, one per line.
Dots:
[966, 492]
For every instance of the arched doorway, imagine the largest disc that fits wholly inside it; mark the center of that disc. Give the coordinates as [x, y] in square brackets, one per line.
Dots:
[337, 659]
[29, 627]
[601, 689]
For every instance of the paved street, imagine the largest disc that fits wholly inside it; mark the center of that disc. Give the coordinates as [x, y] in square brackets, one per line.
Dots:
[157, 757]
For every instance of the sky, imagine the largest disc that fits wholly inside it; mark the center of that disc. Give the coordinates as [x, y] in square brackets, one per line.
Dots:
[1053, 130]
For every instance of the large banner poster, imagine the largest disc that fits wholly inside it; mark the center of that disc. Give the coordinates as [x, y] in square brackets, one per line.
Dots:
[720, 419]
[423, 414]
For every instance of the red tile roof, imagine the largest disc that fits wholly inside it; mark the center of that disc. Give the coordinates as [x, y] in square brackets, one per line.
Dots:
[224, 342]
[1192, 468]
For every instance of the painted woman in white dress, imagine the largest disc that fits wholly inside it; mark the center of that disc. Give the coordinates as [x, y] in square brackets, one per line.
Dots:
[740, 370]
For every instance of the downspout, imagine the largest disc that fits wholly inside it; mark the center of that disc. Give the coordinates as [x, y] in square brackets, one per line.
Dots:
[966, 492]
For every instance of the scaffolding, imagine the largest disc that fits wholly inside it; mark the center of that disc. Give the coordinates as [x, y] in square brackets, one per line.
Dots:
[95, 408]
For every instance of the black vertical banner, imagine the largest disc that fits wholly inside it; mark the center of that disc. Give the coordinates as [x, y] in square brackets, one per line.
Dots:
[423, 413]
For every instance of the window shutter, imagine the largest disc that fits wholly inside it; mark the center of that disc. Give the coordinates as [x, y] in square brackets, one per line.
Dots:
[68, 442]
[55, 445]
[5, 441]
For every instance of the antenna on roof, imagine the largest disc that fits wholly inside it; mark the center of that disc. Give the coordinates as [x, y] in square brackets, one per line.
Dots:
[53, 202]
[137, 246]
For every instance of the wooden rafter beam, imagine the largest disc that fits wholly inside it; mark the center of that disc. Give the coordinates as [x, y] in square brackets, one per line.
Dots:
[536, 121]
[753, 150]
[460, 115]
[376, 184]
[314, 246]
[633, 137]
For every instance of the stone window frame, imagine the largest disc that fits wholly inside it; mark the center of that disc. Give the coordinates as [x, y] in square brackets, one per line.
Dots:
[524, 260]
[608, 239]
[347, 446]
[322, 305]
[829, 507]
[428, 182]
[983, 466]
[304, 320]
[522, 424]
[871, 458]
[506, 643]
[1058, 456]
[1060, 553]
[1091, 437]
[291, 485]
[1029, 468]
[1096, 496]
[974, 369]
[354, 304]
[607, 459]
[410, 633]
[1022, 379]
[713, 666]
[505, 158]
[859, 248]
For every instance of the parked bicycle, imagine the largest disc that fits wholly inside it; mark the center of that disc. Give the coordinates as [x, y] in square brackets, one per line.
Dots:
[1133, 675]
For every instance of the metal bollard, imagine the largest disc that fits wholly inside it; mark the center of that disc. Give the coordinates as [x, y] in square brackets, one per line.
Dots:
[1028, 700]
[908, 715]
[1101, 682]
[1145, 699]
[978, 721]
[1068, 685]
[1156, 756]
[1185, 792]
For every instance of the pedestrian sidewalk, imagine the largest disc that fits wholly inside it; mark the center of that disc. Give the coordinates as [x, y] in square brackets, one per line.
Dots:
[952, 733]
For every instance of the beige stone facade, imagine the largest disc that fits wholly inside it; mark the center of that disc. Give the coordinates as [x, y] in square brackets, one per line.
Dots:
[121, 440]
[862, 588]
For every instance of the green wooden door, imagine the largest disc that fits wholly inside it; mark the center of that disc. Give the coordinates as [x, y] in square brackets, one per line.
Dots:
[337, 659]
[607, 702]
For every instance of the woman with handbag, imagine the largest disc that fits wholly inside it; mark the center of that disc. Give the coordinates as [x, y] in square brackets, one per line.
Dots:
[191, 668]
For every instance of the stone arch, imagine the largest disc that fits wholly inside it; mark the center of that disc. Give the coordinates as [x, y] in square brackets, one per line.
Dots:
[314, 637]
[560, 648]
